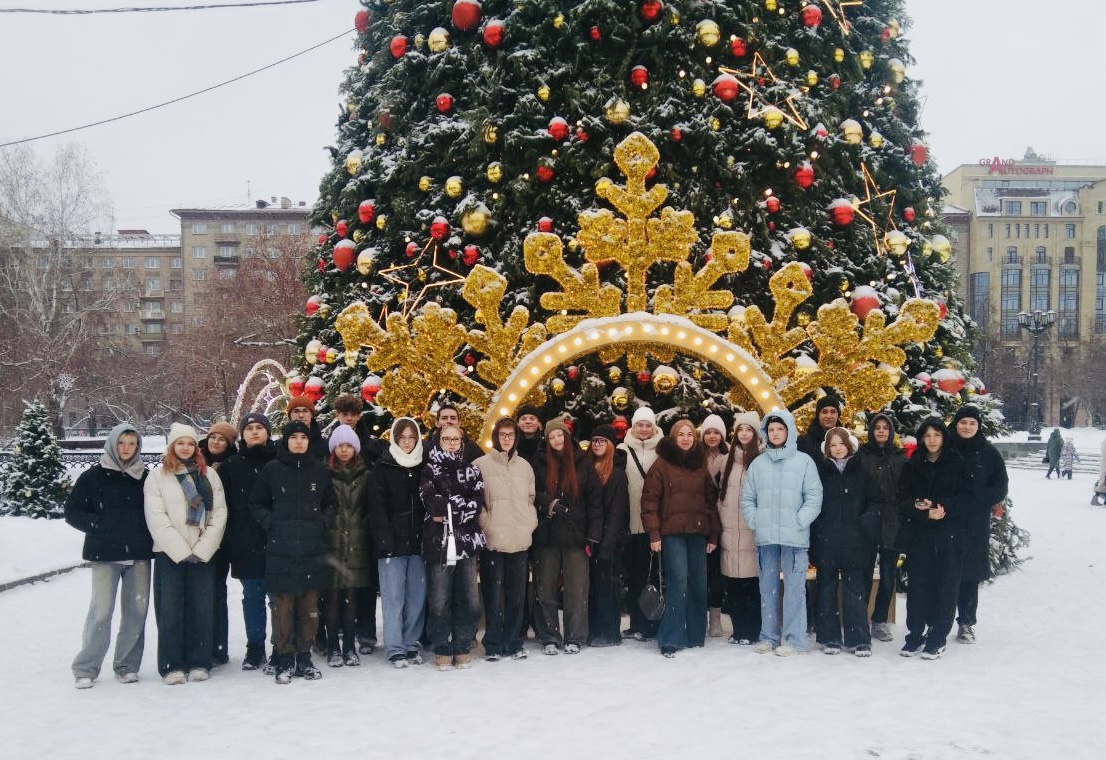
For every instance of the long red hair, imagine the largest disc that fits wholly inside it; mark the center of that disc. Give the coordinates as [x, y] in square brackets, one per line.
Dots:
[560, 470]
[172, 464]
[604, 464]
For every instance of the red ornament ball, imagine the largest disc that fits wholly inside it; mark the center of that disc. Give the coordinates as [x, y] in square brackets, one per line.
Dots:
[942, 310]
[322, 265]
[924, 379]
[558, 128]
[361, 21]
[545, 224]
[314, 389]
[918, 153]
[835, 81]
[412, 250]
[807, 271]
[909, 214]
[493, 33]
[370, 386]
[312, 306]
[804, 175]
[676, 134]
[344, 255]
[439, 228]
[573, 372]
[366, 211]
[767, 264]
[595, 34]
[466, 15]
[295, 386]
[738, 47]
[581, 134]
[864, 299]
[321, 355]
[639, 76]
[725, 87]
[444, 103]
[470, 256]
[644, 377]
[545, 173]
[342, 228]
[322, 237]
[651, 10]
[842, 214]
[398, 46]
[811, 15]
[772, 204]
[620, 425]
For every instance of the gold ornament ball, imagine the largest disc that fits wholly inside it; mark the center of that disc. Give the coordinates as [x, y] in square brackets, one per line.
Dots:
[674, 17]
[614, 374]
[875, 140]
[558, 21]
[557, 385]
[544, 93]
[491, 134]
[838, 55]
[420, 41]
[800, 238]
[852, 131]
[716, 124]
[311, 350]
[811, 77]
[792, 57]
[438, 40]
[665, 380]
[454, 186]
[698, 88]
[942, 247]
[324, 311]
[495, 172]
[475, 221]
[422, 275]
[365, 262]
[708, 33]
[620, 399]
[773, 117]
[725, 220]
[894, 28]
[844, 286]
[602, 185]
[424, 184]
[617, 111]
[803, 318]
[896, 242]
[353, 161]
[358, 236]
[381, 138]
[770, 5]
[697, 373]
[381, 221]
[867, 58]
[938, 352]
[898, 70]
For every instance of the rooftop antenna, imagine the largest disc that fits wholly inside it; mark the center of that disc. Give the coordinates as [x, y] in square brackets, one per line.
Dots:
[249, 195]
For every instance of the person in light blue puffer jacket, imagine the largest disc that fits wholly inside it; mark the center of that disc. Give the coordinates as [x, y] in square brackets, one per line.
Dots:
[781, 496]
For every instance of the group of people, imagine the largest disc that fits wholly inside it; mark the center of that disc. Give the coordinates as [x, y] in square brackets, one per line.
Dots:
[557, 533]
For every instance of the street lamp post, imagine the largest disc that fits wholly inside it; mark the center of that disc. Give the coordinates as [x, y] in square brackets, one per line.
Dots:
[1036, 323]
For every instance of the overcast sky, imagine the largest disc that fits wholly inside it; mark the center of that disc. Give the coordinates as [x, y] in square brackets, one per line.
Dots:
[999, 75]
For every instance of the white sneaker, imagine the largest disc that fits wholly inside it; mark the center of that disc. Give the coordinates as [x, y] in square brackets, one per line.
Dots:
[932, 654]
[882, 632]
[831, 648]
[550, 649]
[126, 677]
[399, 661]
[763, 647]
[83, 683]
[198, 674]
[174, 678]
[572, 649]
[519, 655]
[784, 650]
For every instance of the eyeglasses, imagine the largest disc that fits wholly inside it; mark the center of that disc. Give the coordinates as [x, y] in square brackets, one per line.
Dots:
[599, 441]
[450, 439]
[506, 435]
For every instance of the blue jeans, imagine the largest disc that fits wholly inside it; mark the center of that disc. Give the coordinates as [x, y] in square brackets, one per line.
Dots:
[454, 605]
[403, 602]
[684, 623]
[184, 607]
[253, 610]
[790, 561]
[107, 577]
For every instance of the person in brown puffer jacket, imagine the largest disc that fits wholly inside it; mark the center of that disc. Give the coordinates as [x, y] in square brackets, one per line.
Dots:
[679, 509]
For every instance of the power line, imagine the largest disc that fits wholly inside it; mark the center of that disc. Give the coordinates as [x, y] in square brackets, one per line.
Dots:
[174, 100]
[88, 12]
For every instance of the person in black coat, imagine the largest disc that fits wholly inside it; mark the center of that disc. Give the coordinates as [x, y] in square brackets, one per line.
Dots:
[244, 540]
[843, 542]
[217, 447]
[987, 485]
[883, 460]
[294, 502]
[302, 409]
[570, 521]
[106, 505]
[931, 496]
[396, 514]
[827, 412]
[604, 601]
[448, 415]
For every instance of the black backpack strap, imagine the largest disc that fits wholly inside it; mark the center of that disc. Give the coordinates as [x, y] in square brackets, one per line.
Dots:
[637, 462]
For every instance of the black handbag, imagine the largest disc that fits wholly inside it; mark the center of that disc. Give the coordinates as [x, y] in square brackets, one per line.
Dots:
[651, 599]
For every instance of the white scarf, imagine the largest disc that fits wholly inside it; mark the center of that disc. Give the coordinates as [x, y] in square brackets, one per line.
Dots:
[403, 459]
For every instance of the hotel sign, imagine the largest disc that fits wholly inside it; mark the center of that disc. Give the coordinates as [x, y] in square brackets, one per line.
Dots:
[998, 165]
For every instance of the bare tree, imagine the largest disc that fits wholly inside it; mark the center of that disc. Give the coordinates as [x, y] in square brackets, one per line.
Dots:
[54, 315]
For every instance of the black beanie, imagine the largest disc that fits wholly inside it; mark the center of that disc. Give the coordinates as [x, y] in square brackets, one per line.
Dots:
[605, 431]
[527, 409]
[295, 427]
[827, 401]
[968, 411]
[257, 417]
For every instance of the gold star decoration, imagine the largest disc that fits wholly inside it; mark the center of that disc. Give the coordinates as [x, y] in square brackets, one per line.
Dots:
[757, 103]
[872, 193]
[837, 8]
[409, 305]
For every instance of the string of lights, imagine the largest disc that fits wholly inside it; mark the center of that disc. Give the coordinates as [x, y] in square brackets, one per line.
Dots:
[155, 9]
[174, 100]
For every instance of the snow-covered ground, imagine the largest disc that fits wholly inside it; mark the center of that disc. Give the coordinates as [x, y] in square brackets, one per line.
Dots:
[1031, 688]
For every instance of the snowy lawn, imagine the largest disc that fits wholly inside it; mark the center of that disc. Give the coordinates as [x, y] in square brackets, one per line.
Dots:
[1031, 688]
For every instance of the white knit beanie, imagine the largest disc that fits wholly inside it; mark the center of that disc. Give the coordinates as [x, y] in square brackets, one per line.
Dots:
[713, 422]
[752, 419]
[180, 430]
[644, 414]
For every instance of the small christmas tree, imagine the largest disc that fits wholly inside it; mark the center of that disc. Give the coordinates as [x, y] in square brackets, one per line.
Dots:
[34, 482]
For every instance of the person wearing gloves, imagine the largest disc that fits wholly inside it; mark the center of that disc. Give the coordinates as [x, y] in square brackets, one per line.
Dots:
[244, 540]
[216, 448]
[294, 503]
[640, 446]
[350, 555]
[780, 498]
[186, 514]
[713, 434]
[604, 598]
[106, 505]
[884, 461]
[679, 510]
[932, 501]
[843, 542]
[396, 514]
[508, 521]
[986, 488]
[741, 600]
[452, 491]
[570, 526]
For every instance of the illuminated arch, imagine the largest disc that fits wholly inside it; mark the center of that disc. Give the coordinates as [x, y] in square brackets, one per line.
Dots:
[636, 328]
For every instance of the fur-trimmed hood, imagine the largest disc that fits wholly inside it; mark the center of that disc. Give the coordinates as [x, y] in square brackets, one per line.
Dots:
[692, 459]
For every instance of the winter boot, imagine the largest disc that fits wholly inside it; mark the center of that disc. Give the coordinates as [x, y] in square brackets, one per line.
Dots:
[284, 667]
[306, 669]
[255, 653]
[334, 659]
[715, 625]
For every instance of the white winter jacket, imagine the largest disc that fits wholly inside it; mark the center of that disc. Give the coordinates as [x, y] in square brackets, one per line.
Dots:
[647, 454]
[509, 516]
[167, 517]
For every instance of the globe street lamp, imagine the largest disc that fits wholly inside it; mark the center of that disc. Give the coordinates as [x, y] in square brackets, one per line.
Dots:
[1036, 323]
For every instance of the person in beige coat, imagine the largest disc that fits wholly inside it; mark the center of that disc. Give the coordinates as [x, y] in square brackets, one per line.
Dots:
[741, 599]
[508, 521]
[186, 513]
[640, 446]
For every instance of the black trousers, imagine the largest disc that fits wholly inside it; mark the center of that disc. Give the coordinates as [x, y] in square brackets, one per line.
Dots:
[742, 604]
[855, 586]
[503, 578]
[220, 652]
[637, 576]
[604, 610]
[885, 593]
[967, 602]
[933, 565]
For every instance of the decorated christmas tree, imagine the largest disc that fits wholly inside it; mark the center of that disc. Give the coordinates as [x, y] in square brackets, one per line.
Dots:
[595, 205]
[34, 481]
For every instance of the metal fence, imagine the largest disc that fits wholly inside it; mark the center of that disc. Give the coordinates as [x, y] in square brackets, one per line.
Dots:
[83, 459]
